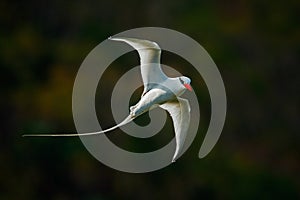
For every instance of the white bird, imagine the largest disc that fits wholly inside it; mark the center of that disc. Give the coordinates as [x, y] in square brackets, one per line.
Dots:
[159, 91]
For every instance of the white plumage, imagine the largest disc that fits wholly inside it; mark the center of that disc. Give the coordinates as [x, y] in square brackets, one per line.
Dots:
[159, 91]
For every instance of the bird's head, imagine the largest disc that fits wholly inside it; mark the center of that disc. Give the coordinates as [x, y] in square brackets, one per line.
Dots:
[186, 82]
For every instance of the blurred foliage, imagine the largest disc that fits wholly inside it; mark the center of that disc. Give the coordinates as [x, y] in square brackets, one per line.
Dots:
[256, 45]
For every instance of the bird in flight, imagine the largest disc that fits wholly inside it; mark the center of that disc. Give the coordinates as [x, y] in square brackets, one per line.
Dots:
[159, 91]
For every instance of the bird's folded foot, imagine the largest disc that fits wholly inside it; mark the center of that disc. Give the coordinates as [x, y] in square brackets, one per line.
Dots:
[132, 113]
[136, 111]
[132, 108]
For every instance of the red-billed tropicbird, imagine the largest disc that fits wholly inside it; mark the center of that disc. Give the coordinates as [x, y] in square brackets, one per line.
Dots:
[159, 91]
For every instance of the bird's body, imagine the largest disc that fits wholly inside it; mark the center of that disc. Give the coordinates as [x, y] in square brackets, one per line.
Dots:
[159, 91]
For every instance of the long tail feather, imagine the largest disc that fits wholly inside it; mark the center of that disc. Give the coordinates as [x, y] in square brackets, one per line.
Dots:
[125, 121]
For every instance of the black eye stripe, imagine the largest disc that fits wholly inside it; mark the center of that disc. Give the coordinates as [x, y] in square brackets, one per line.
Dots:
[181, 81]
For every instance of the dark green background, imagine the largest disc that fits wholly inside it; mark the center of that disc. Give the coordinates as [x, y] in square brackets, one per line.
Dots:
[256, 46]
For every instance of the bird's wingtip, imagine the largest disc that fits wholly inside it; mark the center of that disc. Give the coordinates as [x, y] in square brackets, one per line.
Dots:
[115, 38]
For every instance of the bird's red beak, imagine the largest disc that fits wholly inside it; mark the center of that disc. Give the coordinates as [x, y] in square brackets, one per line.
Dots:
[188, 86]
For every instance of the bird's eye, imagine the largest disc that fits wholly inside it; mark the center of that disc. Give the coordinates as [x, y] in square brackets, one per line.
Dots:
[181, 81]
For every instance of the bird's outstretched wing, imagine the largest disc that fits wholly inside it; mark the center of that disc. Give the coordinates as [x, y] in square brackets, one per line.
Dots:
[149, 53]
[180, 113]
[125, 121]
